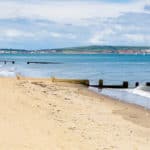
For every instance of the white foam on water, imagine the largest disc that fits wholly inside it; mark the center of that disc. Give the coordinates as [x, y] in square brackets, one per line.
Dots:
[7, 71]
[142, 91]
[134, 96]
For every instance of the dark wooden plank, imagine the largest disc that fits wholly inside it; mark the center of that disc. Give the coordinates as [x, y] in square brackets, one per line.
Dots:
[74, 81]
[7, 61]
[38, 62]
[147, 83]
[101, 85]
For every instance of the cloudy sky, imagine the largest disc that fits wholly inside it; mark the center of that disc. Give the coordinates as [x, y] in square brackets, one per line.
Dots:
[34, 24]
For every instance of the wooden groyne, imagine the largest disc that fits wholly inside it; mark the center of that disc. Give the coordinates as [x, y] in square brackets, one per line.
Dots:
[101, 85]
[74, 81]
[147, 83]
[39, 62]
[6, 61]
[30, 62]
[87, 83]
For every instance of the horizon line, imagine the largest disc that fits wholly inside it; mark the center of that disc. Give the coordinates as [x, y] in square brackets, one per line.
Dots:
[76, 47]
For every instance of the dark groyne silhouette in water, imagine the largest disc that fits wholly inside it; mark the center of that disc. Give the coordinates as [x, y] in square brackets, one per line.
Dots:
[7, 61]
[44, 62]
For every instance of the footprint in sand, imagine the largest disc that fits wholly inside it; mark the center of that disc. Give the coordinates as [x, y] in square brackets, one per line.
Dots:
[67, 99]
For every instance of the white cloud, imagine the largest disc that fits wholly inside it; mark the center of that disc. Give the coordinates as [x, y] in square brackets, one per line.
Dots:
[62, 35]
[13, 33]
[138, 38]
[74, 23]
[66, 11]
[101, 37]
[55, 35]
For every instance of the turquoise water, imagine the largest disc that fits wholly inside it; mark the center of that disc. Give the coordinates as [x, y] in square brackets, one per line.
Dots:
[111, 68]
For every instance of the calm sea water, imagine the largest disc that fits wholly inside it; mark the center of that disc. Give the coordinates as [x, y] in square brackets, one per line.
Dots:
[110, 68]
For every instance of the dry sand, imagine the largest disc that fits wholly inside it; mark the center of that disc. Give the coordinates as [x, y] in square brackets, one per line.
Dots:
[37, 114]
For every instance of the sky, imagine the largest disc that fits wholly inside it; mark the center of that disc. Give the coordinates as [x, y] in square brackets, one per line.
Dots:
[41, 24]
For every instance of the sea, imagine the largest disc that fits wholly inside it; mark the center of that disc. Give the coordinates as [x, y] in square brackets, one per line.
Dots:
[112, 68]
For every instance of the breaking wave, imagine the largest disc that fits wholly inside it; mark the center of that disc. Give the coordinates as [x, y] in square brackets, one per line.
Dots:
[142, 90]
[7, 71]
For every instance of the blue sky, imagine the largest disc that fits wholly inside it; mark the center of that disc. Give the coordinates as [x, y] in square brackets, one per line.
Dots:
[36, 24]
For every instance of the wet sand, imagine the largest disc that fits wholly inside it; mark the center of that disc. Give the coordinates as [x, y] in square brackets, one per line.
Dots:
[37, 114]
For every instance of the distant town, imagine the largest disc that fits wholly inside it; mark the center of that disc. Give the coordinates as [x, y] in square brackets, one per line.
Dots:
[82, 50]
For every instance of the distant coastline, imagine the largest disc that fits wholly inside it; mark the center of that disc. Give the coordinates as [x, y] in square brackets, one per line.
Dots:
[82, 50]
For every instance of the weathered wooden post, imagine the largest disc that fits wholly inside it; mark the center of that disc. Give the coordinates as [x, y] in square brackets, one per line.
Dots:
[125, 84]
[5, 62]
[100, 84]
[87, 82]
[147, 83]
[13, 62]
[136, 84]
[74, 81]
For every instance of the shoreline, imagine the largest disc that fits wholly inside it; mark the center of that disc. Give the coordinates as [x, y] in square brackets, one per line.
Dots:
[107, 97]
[119, 100]
[39, 114]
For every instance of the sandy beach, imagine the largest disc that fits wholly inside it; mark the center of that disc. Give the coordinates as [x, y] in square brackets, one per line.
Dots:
[37, 114]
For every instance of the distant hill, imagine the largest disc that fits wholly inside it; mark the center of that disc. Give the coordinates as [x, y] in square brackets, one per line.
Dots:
[98, 48]
[83, 50]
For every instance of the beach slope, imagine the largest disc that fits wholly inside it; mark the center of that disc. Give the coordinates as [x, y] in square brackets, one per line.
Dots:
[36, 114]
